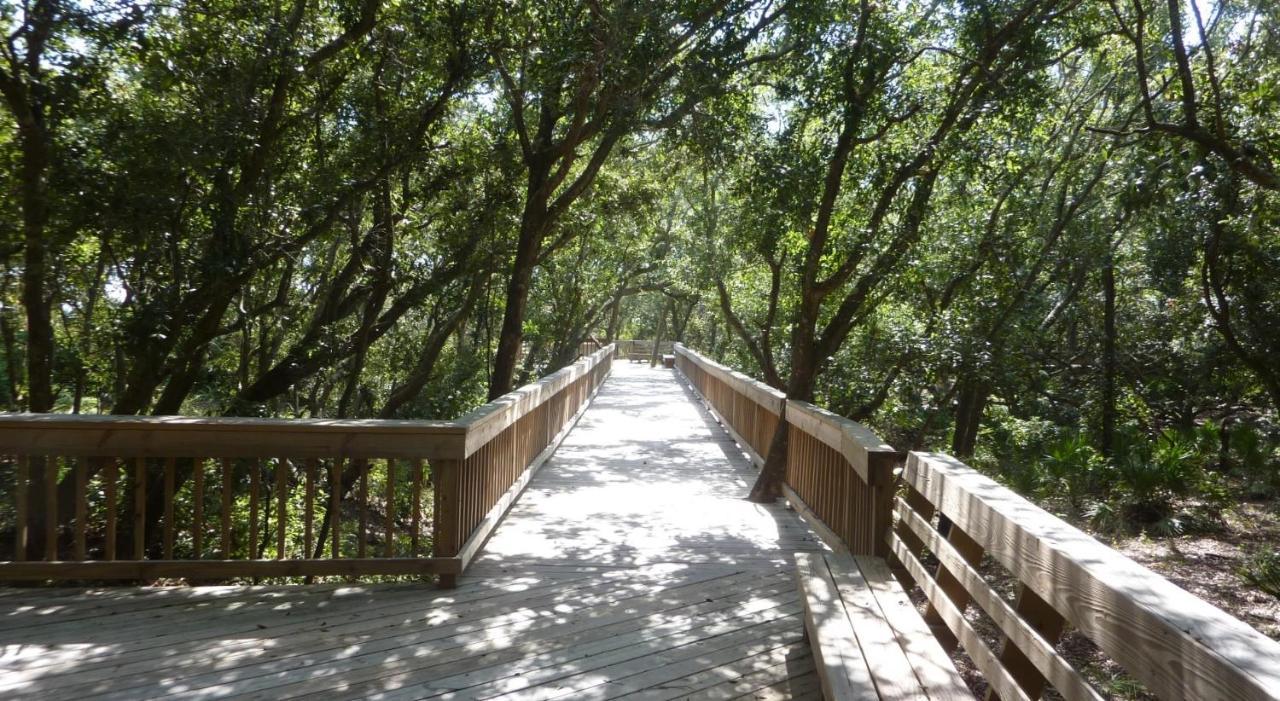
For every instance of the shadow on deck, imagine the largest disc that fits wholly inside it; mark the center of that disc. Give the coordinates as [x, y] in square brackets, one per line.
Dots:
[629, 567]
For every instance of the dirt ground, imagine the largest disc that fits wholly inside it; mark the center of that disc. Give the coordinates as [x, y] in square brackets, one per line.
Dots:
[1207, 565]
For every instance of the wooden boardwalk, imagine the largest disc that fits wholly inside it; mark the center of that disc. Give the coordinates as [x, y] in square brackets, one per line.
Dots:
[630, 568]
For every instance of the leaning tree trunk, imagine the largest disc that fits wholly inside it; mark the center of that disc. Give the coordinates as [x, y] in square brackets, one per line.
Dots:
[512, 333]
[1108, 438]
[804, 370]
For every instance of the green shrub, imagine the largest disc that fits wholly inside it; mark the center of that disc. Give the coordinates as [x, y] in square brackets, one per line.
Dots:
[1072, 467]
[1255, 462]
[1152, 483]
[1262, 570]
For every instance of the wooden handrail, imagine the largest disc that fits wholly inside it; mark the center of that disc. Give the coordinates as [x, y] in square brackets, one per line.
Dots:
[69, 435]
[1178, 645]
[634, 346]
[121, 466]
[506, 441]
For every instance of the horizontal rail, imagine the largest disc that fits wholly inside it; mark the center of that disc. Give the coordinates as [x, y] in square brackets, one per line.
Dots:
[107, 497]
[216, 437]
[1178, 645]
[507, 440]
[222, 569]
[482, 424]
[635, 348]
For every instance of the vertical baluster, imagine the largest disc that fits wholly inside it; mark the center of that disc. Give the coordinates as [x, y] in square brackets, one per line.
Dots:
[20, 496]
[390, 549]
[416, 466]
[140, 509]
[1046, 621]
[82, 508]
[226, 508]
[254, 486]
[363, 468]
[335, 498]
[168, 508]
[309, 510]
[951, 586]
[197, 500]
[282, 487]
[109, 476]
[51, 509]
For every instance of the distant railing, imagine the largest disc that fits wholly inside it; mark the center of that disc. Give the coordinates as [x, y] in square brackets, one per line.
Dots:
[229, 490]
[840, 477]
[641, 349]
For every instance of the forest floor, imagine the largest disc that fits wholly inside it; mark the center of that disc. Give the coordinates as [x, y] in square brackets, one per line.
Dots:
[1208, 564]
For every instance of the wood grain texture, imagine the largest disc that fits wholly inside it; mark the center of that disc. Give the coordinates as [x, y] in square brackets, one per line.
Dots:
[841, 663]
[1179, 646]
[995, 675]
[1037, 650]
[182, 436]
[215, 569]
[891, 668]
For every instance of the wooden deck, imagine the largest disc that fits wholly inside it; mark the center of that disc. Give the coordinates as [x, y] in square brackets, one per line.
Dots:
[630, 568]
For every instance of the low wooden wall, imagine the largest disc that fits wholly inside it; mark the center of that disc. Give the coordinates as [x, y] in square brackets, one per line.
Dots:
[504, 442]
[640, 348]
[228, 489]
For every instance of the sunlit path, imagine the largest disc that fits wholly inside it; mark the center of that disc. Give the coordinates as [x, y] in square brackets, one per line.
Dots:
[631, 567]
[646, 477]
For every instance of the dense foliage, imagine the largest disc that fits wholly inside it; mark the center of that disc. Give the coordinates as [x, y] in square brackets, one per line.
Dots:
[1040, 234]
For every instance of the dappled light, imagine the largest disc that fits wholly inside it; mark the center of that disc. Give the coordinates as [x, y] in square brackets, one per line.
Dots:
[549, 349]
[630, 564]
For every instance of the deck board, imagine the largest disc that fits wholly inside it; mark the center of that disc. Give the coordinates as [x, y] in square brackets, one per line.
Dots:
[631, 567]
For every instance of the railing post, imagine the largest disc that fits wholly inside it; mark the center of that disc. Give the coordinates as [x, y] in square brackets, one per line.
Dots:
[879, 502]
[446, 476]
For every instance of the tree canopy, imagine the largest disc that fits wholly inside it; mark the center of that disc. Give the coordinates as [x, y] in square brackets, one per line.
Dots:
[1031, 232]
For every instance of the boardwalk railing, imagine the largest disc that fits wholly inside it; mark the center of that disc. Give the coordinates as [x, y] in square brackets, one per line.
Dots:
[839, 474]
[1178, 645]
[840, 477]
[642, 349]
[229, 491]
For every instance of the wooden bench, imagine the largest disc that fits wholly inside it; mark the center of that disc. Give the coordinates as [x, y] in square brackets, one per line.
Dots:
[868, 639]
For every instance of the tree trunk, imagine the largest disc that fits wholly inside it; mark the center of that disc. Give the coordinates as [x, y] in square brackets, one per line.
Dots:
[10, 360]
[657, 337]
[804, 370]
[970, 404]
[512, 333]
[615, 320]
[768, 486]
[35, 267]
[34, 143]
[1108, 438]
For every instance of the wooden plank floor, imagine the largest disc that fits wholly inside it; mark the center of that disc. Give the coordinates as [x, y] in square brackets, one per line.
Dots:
[630, 568]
